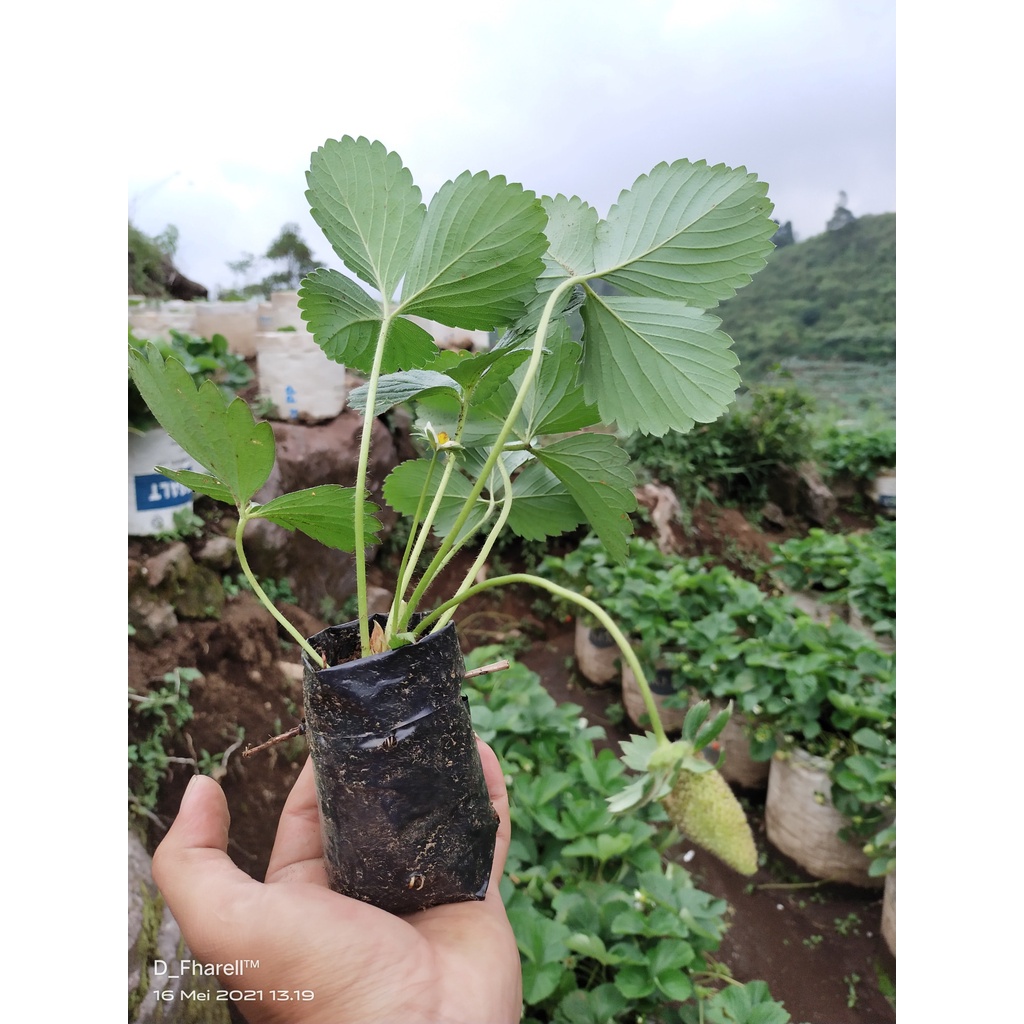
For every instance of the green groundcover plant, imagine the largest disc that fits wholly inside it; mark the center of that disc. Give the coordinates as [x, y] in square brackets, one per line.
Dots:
[506, 429]
[203, 358]
[857, 451]
[609, 928]
[796, 682]
[856, 569]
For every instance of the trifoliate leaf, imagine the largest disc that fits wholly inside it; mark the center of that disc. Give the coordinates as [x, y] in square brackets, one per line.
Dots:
[483, 372]
[346, 323]
[406, 481]
[395, 388]
[541, 505]
[555, 403]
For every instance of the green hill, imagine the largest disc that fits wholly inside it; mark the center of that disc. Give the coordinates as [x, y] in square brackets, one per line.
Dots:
[831, 298]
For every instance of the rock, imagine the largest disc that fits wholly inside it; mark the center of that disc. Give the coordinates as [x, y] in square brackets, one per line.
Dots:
[153, 936]
[218, 553]
[801, 491]
[170, 563]
[773, 516]
[663, 505]
[378, 599]
[308, 455]
[171, 577]
[151, 619]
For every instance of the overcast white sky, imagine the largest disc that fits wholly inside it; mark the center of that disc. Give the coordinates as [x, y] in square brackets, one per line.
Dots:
[560, 95]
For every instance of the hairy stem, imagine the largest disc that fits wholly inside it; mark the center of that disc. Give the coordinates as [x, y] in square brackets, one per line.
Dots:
[361, 470]
[265, 601]
[485, 549]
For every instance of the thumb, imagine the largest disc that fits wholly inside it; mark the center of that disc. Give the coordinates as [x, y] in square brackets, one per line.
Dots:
[194, 873]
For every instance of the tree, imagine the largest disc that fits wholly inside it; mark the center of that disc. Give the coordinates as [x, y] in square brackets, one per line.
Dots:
[289, 248]
[288, 251]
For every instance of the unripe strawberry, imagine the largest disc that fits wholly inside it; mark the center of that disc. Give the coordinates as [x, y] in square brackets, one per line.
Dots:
[707, 812]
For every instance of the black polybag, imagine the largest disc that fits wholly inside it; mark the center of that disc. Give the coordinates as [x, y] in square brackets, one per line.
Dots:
[406, 818]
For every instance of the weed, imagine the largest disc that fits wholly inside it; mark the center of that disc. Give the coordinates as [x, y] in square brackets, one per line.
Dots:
[848, 925]
[886, 985]
[186, 524]
[276, 590]
[160, 716]
[851, 989]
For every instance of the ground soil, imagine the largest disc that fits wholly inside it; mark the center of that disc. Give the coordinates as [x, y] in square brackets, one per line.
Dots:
[817, 946]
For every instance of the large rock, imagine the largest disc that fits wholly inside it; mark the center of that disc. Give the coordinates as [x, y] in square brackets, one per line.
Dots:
[308, 455]
[168, 586]
[154, 940]
[800, 491]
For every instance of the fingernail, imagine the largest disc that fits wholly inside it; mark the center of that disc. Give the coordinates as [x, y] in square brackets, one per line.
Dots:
[189, 789]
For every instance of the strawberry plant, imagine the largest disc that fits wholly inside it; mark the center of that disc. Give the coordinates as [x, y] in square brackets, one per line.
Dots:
[505, 431]
[855, 569]
[857, 452]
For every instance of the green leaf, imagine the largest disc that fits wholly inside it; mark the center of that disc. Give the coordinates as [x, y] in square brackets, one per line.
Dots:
[366, 204]
[556, 403]
[406, 481]
[326, 513]
[595, 471]
[638, 750]
[634, 981]
[653, 365]
[870, 740]
[468, 368]
[541, 506]
[395, 388]
[478, 255]
[687, 231]
[674, 984]
[540, 981]
[746, 1004]
[593, 947]
[600, 1005]
[224, 439]
[346, 324]
[572, 235]
[201, 482]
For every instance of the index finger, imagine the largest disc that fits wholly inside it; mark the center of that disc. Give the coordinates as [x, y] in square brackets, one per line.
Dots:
[298, 854]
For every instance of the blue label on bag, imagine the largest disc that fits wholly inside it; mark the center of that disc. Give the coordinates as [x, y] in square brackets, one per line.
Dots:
[154, 491]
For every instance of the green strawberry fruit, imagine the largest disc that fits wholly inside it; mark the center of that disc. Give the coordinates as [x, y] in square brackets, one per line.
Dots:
[707, 812]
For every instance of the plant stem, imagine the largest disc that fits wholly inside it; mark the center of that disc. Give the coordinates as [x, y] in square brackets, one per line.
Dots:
[424, 531]
[413, 548]
[264, 600]
[497, 448]
[485, 548]
[359, 521]
[628, 654]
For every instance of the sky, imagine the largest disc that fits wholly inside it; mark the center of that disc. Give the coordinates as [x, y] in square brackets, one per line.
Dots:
[570, 97]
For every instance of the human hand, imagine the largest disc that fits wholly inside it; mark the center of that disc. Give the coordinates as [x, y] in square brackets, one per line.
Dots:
[454, 964]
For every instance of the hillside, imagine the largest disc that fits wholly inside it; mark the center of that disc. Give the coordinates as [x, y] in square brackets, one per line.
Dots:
[829, 298]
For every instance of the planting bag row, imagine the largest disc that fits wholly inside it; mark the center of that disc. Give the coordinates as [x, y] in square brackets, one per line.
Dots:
[406, 819]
